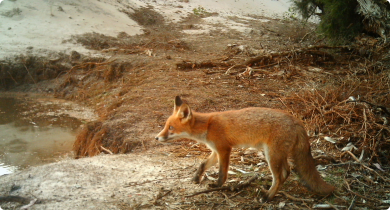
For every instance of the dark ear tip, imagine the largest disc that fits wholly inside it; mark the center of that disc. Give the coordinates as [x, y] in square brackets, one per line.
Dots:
[178, 101]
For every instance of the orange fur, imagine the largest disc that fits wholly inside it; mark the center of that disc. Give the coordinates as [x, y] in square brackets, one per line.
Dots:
[280, 135]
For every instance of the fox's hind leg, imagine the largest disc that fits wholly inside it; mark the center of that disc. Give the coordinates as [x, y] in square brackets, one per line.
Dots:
[210, 161]
[280, 170]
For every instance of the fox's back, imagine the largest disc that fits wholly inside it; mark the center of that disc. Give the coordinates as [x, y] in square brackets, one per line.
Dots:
[256, 125]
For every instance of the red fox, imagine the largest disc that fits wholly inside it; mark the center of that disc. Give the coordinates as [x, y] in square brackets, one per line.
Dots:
[278, 133]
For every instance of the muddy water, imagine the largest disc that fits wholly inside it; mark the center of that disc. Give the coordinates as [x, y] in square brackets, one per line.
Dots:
[36, 131]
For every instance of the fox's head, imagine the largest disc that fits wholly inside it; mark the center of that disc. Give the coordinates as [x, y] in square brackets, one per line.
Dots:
[178, 124]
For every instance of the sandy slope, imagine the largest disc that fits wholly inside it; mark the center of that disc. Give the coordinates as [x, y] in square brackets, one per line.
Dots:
[101, 182]
[41, 26]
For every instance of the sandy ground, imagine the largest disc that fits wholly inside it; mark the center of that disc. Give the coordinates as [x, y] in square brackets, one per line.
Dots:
[103, 182]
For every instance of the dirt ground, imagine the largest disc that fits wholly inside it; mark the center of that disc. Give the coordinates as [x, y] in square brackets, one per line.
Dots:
[279, 64]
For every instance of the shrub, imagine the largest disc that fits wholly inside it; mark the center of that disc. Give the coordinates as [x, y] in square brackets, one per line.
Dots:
[339, 20]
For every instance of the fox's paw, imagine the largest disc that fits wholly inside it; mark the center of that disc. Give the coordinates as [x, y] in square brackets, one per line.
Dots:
[196, 179]
[264, 196]
[263, 199]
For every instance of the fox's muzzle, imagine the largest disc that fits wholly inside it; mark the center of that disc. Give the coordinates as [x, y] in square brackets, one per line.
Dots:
[161, 138]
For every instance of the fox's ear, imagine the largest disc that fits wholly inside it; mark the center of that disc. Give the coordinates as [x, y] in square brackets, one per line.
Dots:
[178, 103]
[184, 113]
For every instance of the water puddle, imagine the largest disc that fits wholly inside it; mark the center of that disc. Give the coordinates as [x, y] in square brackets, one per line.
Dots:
[35, 131]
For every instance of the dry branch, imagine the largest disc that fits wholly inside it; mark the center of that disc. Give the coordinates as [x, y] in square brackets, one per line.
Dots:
[229, 188]
[185, 65]
[294, 198]
[273, 59]
[17, 199]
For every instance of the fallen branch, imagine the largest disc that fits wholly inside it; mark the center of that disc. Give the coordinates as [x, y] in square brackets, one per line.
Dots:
[294, 198]
[184, 65]
[229, 188]
[293, 53]
[12, 198]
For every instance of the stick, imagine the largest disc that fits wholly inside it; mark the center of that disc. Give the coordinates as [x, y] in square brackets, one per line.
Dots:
[362, 196]
[11, 198]
[160, 195]
[294, 198]
[353, 156]
[230, 188]
[228, 71]
[12, 77]
[106, 150]
[384, 109]
[32, 202]
[352, 203]
[30, 74]
[331, 205]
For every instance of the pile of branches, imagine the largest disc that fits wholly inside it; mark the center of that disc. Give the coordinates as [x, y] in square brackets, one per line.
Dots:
[352, 113]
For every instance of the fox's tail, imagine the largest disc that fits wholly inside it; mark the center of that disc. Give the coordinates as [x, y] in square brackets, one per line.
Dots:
[305, 167]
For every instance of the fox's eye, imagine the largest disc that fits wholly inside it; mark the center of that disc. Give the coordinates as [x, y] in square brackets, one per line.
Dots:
[171, 127]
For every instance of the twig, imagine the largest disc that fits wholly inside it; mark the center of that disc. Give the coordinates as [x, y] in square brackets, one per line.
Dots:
[306, 36]
[12, 77]
[234, 195]
[362, 196]
[229, 69]
[160, 195]
[30, 74]
[353, 156]
[362, 164]
[32, 202]
[106, 150]
[294, 198]
[228, 199]
[331, 205]
[384, 109]
[346, 163]
[352, 203]
[230, 188]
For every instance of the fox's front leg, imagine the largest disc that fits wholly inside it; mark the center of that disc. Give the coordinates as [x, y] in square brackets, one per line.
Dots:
[210, 161]
[224, 160]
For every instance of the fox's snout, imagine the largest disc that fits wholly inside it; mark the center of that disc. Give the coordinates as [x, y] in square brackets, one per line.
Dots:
[158, 138]
[161, 136]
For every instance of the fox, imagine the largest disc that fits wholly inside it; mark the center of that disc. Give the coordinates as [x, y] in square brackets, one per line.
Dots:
[278, 133]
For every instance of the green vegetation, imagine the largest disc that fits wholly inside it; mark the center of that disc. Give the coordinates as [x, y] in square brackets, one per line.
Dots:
[200, 11]
[339, 19]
